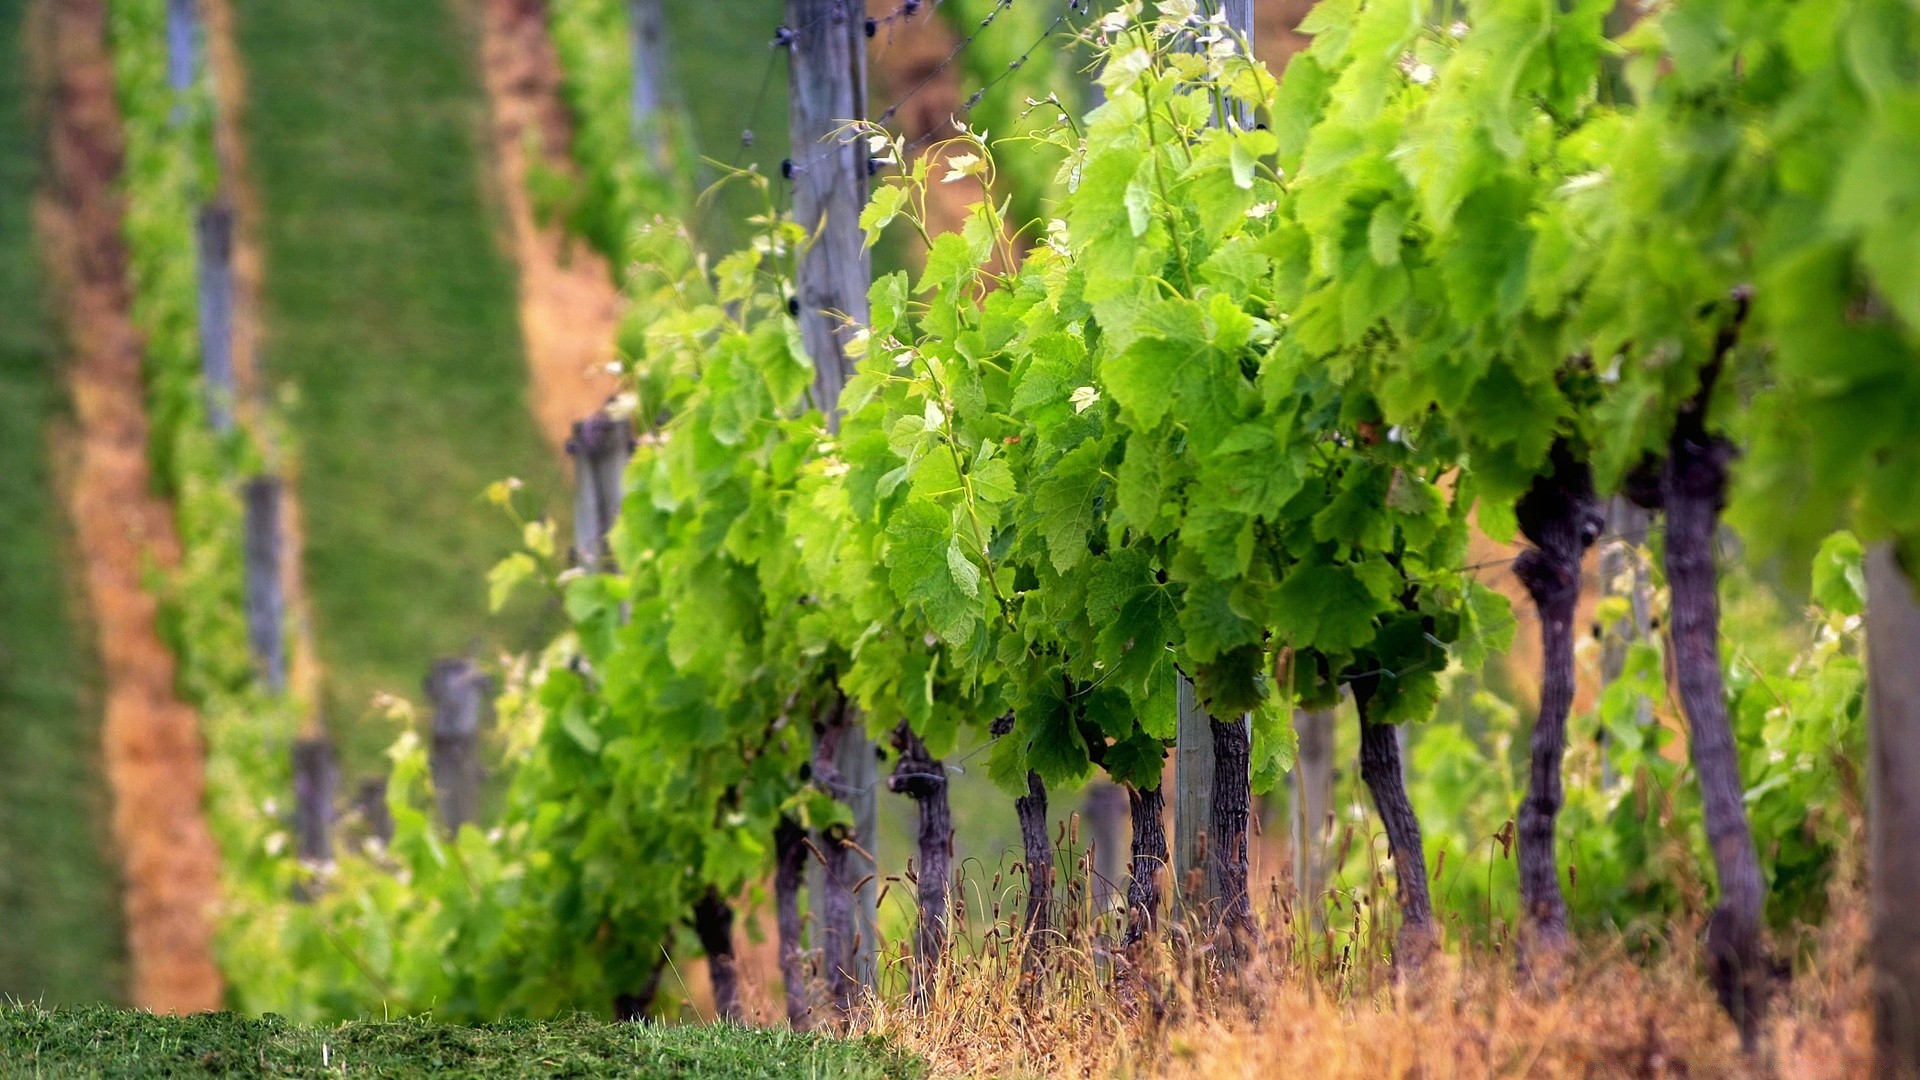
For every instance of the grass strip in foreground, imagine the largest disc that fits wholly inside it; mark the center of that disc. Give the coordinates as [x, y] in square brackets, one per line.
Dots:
[107, 1042]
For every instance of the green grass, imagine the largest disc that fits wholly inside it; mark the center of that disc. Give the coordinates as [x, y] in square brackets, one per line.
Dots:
[107, 1042]
[390, 307]
[59, 908]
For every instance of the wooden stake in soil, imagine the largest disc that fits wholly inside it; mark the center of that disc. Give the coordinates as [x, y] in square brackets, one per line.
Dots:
[266, 595]
[183, 33]
[1624, 573]
[1193, 769]
[459, 691]
[1104, 809]
[316, 776]
[213, 233]
[1203, 805]
[649, 31]
[601, 447]
[1893, 812]
[827, 89]
[1312, 789]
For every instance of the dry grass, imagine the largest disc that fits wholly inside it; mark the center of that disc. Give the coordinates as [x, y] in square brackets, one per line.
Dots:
[1463, 1014]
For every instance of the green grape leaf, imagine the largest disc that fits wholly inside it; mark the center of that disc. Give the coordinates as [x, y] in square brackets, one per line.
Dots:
[1065, 504]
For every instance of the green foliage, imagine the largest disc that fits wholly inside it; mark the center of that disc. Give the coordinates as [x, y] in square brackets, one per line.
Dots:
[1631, 831]
[169, 169]
[107, 1042]
[618, 185]
[1231, 420]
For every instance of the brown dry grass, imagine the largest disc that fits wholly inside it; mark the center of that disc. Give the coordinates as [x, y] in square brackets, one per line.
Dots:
[150, 737]
[1461, 1015]
[569, 307]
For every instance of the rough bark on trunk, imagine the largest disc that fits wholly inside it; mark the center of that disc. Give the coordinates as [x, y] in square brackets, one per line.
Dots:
[1693, 486]
[1231, 814]
[1893, 838]
[790, 864]
[1380, 769]
[826, 89]
[837, 932]
[633, 1007]
[1560, 516]
[920, 777]
[1038, 848]
[1147, 862]
[713, 924]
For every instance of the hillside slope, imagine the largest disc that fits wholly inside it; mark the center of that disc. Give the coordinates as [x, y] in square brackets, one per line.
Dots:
[58, 900]
[389, 311]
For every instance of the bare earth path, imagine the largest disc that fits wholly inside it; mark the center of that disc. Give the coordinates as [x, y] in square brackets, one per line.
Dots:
[569, 307]
[152, 746]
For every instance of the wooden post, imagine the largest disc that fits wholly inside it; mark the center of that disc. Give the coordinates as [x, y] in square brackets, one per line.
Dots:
[1622, 572]
[827, 90]
[1195, 756]
[1893, 812]
[1192, 803]
[372, 802]
[183, 34]
[1104, 809]
[459, 691]
[266, 595]
[827, 83]
[600, 447]
[1312, 790]
[315, 776]
[647, 23]
[214, 238]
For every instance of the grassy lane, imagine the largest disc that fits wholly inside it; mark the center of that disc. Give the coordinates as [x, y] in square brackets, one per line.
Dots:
[58, 901]
[389, 306]
[110, 1042]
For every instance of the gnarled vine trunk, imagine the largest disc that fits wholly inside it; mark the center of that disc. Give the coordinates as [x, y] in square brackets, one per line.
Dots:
[713, 925]
[1560, 516]
[790, 863]
[838, 941]
[1380, 769]
[1231, 813]
[1146, 862]
[633, 1007]
[1037, 847]
[1693, 485]
[924, 779]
